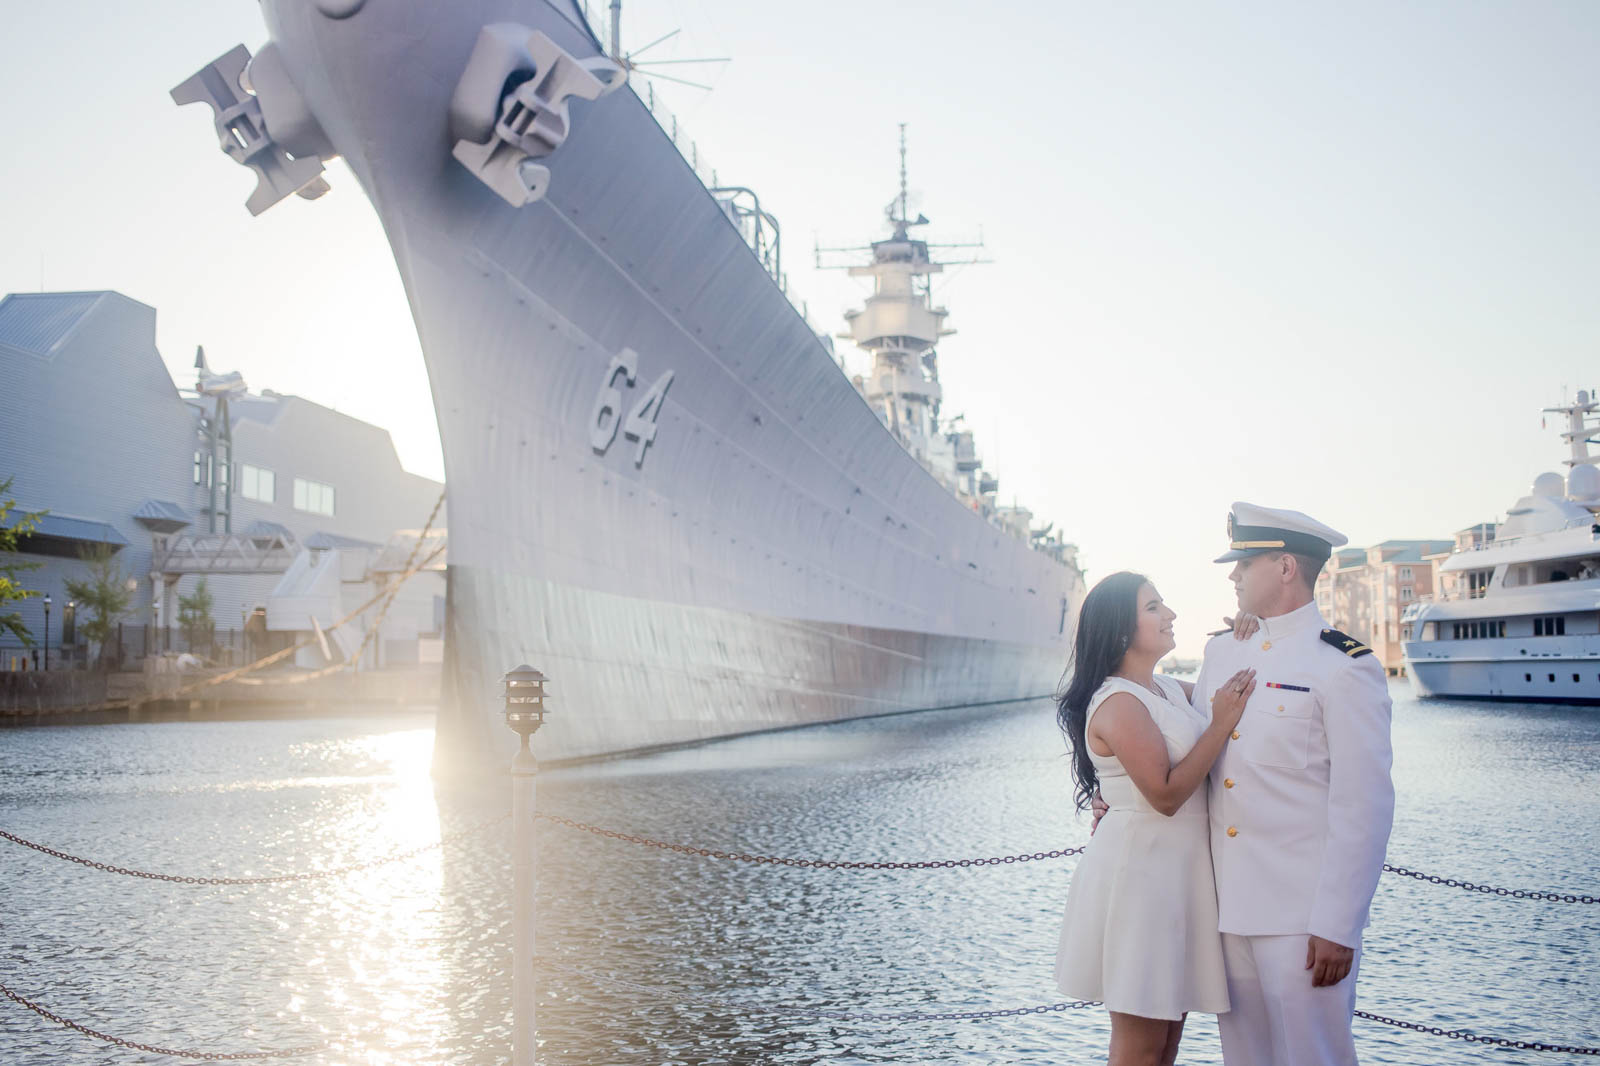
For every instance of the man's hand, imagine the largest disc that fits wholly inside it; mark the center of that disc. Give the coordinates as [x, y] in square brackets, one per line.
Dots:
[1328, 962]
[1100, 807]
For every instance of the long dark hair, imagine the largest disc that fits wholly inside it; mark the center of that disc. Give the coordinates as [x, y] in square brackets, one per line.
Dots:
[1106, 625]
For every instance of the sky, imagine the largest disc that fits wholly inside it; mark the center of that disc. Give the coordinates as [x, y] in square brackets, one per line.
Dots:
[1332, 257]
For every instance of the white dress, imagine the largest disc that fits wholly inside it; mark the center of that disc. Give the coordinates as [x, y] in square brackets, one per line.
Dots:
[1140, 932]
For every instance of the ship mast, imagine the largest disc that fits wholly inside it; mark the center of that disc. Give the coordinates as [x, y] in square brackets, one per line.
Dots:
[1580, 431]
[899, 328]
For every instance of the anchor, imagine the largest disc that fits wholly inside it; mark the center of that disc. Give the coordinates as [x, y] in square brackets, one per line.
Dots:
[251, 98]
[510, 106]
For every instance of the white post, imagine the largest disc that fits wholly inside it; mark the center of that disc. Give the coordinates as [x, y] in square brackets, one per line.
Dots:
[524, 865]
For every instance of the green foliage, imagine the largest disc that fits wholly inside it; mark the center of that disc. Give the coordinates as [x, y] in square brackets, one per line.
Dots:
[104, 592]
[194, 615]
[11, 566]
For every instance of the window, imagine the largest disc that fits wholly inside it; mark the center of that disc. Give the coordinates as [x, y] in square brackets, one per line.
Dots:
[257, 484]
[1555, 626]
[1405, 573]
[313, 496]
[1405, 593]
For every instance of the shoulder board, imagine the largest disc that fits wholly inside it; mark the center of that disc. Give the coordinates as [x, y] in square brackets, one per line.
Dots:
[1345, 643]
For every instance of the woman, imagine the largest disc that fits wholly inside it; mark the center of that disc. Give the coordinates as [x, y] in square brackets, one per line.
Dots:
[1140, 932]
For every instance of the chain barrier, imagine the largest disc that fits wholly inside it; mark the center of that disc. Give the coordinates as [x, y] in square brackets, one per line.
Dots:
[181, 1053]
[829, 1015]
[1491, 890]
[732, 856]
[826, 864]
[1475, 1038]
[269, 879]
[1012, 1012]
[847, 864]
[825, 1014]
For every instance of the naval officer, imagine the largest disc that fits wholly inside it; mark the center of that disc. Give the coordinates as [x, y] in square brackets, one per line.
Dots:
[1301, 801]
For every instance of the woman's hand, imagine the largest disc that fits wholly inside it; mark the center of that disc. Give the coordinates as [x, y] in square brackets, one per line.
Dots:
[1227, 706]
[1244, 625]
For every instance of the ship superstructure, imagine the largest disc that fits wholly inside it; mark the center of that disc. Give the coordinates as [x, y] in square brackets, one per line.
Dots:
[1518, 615]
[662, 490]
[899, 328]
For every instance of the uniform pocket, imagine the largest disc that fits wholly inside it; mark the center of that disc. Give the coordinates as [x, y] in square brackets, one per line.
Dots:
[1276, 730]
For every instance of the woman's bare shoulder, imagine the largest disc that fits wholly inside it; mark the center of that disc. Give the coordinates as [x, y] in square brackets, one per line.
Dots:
[1121, 701]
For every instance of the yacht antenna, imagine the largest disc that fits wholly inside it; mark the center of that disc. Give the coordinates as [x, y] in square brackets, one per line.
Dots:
[616, 30]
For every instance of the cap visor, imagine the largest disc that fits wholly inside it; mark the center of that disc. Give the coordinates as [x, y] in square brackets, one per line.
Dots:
[1239, 553]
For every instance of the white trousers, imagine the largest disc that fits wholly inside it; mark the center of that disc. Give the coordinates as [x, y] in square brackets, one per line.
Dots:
[1277, 1018]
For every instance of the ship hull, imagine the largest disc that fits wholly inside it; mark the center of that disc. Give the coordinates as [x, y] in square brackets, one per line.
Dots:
[632, 675]
[1502, 670]
[772, 556]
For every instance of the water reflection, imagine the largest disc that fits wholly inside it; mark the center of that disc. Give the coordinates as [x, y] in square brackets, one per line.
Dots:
[409, 962]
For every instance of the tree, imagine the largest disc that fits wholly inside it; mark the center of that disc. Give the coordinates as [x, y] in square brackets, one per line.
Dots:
[104, 592]
[11, 566]
[194, 616]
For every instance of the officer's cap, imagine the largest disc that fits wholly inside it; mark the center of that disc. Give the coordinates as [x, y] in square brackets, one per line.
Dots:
[1253, 530]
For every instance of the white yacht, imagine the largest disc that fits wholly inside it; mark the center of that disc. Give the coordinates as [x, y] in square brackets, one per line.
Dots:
[1517, 616]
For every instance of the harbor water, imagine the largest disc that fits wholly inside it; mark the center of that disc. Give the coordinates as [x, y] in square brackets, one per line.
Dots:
[409, 962]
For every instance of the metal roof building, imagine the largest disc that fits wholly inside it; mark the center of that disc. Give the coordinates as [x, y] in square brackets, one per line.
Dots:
[94, 432]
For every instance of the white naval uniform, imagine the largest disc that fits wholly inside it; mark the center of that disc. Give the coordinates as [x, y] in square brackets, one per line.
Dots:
[1301, 808]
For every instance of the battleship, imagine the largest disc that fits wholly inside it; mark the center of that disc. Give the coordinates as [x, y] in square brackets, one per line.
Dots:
[663, 490]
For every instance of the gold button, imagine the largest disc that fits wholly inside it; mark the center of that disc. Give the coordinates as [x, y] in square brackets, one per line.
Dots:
[1235, 734]
[1232, 831]
[1280, 706]
[1227, 782]
[1266, 645]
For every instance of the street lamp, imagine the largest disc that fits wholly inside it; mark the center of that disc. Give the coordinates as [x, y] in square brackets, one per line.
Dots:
[47, 631]
[524, 714]
[525, 702]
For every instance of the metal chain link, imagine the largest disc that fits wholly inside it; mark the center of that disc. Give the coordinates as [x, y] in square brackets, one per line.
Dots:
[1012, 1012]
[830, 1015]
[182, 1053]
[271, 879]
[1491, 890]
[734, 856]
[825, 864]
[1474, 1038]
[848, 864]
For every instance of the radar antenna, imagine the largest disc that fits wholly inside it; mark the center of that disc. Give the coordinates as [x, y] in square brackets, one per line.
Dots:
[630, 62]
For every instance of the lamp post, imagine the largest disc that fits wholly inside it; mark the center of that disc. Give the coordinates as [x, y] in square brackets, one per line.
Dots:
[524, 714]
[47, 631]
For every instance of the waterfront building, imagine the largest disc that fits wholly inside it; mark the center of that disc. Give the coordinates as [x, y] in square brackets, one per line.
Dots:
[215, 482]
[1365, 591]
